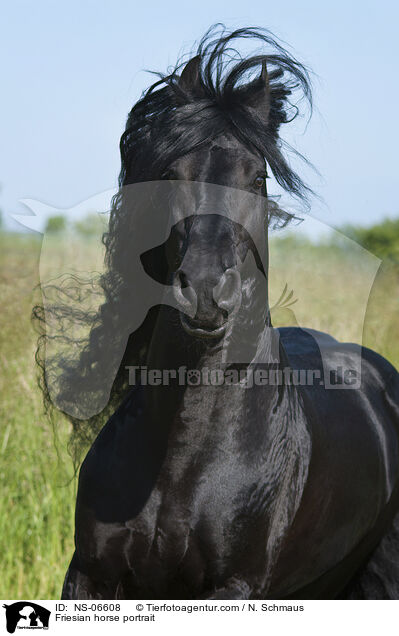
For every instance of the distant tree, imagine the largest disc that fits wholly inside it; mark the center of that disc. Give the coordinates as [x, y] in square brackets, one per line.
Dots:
[92, 225]
[55, 224]
[382, 239]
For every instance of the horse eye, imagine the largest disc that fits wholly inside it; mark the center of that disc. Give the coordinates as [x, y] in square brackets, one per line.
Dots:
[259, 182]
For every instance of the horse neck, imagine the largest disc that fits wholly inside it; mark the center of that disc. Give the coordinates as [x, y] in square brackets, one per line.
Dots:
[171, 350]
[269, 419]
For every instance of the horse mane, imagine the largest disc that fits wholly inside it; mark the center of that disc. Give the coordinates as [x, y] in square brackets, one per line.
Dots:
[168, 122]
[157, 127]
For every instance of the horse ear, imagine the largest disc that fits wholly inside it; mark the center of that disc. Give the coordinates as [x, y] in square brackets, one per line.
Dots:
[256, 94]
[190, 78]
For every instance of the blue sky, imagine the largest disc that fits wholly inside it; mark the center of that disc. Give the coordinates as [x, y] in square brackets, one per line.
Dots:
[70, 73]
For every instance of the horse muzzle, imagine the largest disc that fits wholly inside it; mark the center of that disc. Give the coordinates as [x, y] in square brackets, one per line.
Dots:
[206, 307]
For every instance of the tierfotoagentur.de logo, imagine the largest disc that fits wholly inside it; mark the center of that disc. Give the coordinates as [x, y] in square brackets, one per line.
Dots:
[26, 615]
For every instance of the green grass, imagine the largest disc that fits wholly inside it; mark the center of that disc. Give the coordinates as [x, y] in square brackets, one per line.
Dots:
[36, 474]
[37, 485]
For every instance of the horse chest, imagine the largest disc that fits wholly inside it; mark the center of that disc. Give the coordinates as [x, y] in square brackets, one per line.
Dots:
[190, 530]
[192, 521]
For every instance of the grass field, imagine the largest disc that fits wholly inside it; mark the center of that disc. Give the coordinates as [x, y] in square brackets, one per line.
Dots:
[37, 489]
[331, 287]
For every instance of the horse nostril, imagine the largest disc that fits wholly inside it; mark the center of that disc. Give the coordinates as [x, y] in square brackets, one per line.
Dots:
[184, 293]
[227, 293]
[183, 279]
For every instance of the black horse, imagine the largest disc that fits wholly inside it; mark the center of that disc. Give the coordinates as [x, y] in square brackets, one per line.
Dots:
[250, 490]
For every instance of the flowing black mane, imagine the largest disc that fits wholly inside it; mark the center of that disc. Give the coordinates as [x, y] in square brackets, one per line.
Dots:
[169, 121]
